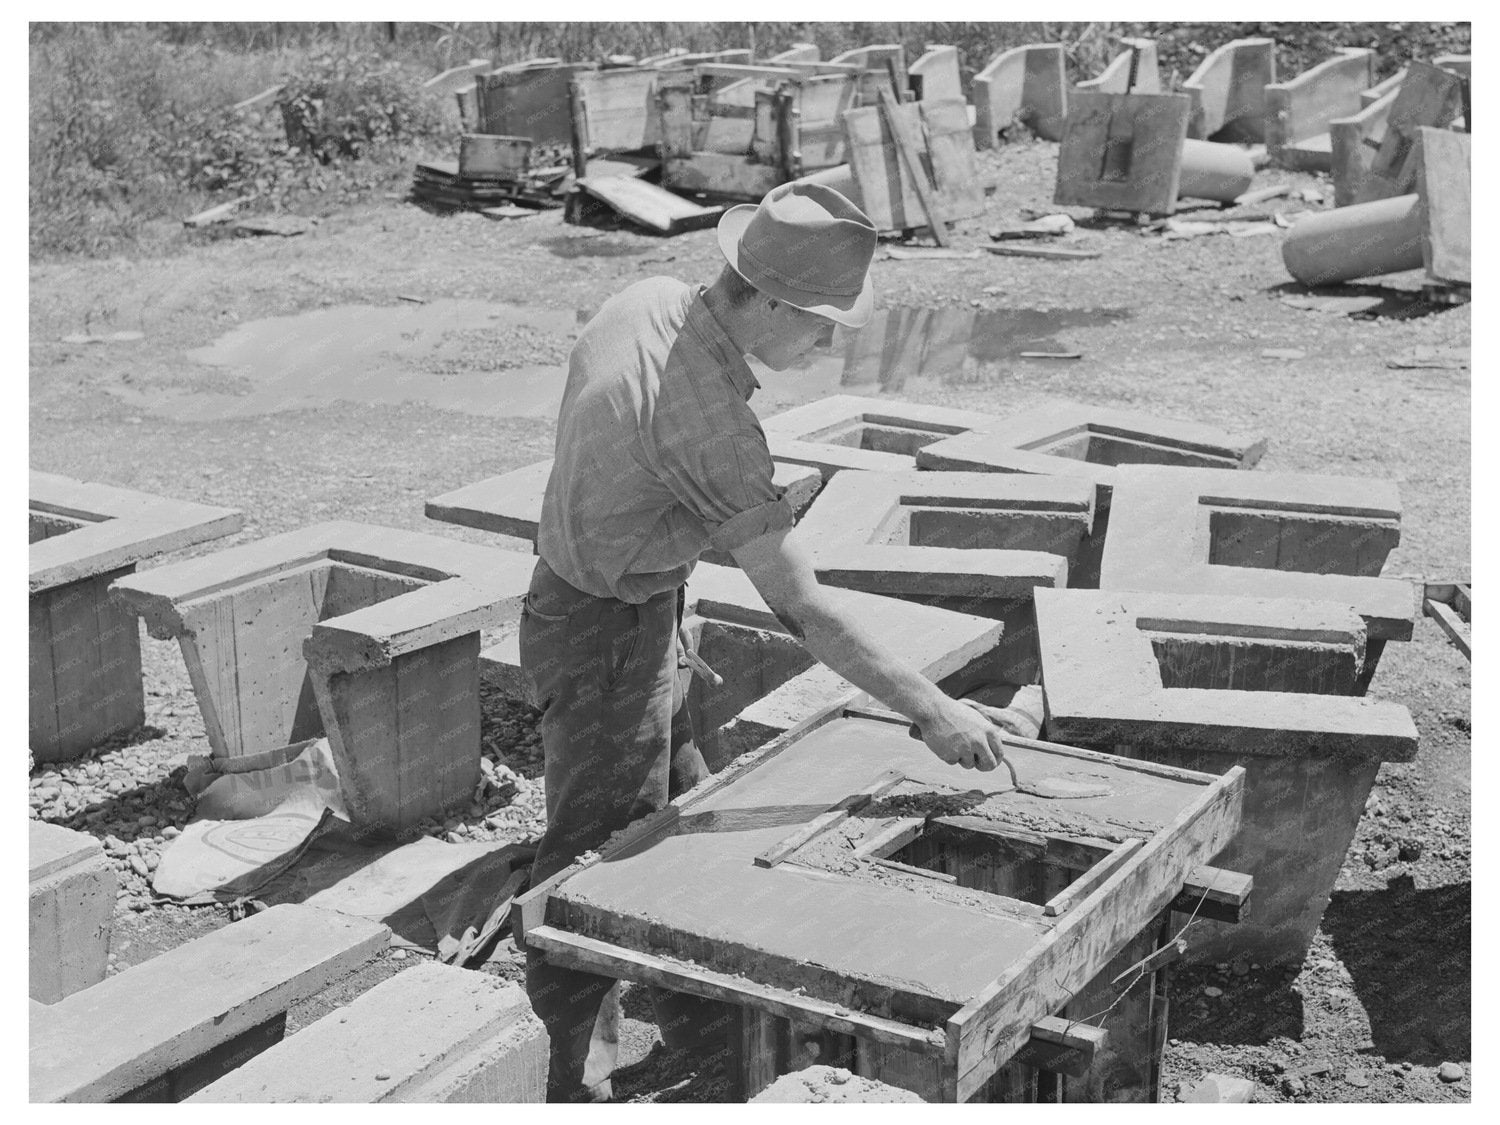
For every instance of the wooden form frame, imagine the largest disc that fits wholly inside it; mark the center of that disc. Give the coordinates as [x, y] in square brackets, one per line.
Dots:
[575, 920]
[1299, 111]
[1450, 604]
[84, 653]
[528, 99]
[367, 634]
[1029, 84]
[1123, 152]
[890, 192]
[1228, 91]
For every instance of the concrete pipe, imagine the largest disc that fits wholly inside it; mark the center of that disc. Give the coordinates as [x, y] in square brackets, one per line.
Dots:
[1214, 171]
[1361, 240]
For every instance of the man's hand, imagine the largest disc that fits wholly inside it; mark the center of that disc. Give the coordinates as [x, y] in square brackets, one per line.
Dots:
[961, 736]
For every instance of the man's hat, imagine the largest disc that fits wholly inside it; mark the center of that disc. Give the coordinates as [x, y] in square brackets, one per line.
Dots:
[806, 245]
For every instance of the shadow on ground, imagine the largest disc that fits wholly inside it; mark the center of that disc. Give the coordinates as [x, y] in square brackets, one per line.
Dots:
[1407, 951]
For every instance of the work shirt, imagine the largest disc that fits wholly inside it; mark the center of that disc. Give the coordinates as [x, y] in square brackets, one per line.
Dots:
[659, 456]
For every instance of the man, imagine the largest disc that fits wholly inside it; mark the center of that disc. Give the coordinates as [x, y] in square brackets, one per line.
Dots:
[659, 457]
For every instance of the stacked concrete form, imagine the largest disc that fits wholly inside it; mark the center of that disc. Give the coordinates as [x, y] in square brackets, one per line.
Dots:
[367, 634]
[85, 653]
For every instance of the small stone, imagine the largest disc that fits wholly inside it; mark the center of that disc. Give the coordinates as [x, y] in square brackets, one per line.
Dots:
[44, 793]
[398, 955]
[1410, 850]
[838, 1077]
[1451, 1072]
[146, 821]
[1293, 1087]
[1356, 1078]
[115, 845]
[1213, 992]
[1241, 969]
[382, 1077]
[171, 832]
[138, 865]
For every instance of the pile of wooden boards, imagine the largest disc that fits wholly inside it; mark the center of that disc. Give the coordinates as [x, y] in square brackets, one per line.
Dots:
[489, 171]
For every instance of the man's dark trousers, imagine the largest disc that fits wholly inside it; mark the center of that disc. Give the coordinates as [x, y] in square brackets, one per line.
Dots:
[619, 745]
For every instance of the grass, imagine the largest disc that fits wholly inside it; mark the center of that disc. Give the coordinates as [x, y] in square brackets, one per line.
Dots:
[131, 126]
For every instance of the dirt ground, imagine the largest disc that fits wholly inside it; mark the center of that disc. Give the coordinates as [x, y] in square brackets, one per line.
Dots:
[1178, 328]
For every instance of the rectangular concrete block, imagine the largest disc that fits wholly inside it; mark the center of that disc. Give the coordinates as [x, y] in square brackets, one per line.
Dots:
[367, 634]
[103, 1042]
[432, 1033]
[1027, 84]
[1262, 535]
[977, 543]
[72, 900]
[1229, 91]
[1429, 97]
[1209, 683]
[85, 659]
[852, 432]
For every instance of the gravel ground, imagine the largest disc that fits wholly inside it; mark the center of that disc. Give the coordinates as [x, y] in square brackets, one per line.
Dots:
[1380, 1010]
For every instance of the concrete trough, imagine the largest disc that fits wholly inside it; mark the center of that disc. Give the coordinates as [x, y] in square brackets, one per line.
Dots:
[72, 903]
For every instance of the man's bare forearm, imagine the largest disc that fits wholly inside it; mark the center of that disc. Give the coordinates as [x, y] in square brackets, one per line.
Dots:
[840, 641]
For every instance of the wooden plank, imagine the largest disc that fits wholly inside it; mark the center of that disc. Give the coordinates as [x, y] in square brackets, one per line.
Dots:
[1058, 253]
[924, 872]
[649, 205]
[1463, 601]
[1062, 1046]
[950, 150]
[589, 955]
[757, 1059]
[1445, 187]
[1086, 884]
[906, 146]
[1215, 894]
[883, 783]
[891, 838]
[1451, 624]
[151, 1018]
[992, 1026]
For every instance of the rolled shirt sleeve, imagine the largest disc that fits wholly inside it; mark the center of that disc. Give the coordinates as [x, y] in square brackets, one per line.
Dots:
[726, 481]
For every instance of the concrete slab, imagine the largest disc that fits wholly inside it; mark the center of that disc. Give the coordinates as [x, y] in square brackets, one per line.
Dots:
[71, 902]
[854, 432]
[1208, 683]
[935, 75]
[1122, 152]
[977, 543]
[511, 503]
[101, 1043]
[432, 1033]
[367, 634]
[1267, 535]
[85, 653]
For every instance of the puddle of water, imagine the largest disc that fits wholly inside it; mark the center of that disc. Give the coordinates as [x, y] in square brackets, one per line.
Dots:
[477, 357]
[921, 349]
[594, 246]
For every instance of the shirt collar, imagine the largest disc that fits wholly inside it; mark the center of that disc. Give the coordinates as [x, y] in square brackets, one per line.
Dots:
[703, 322]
